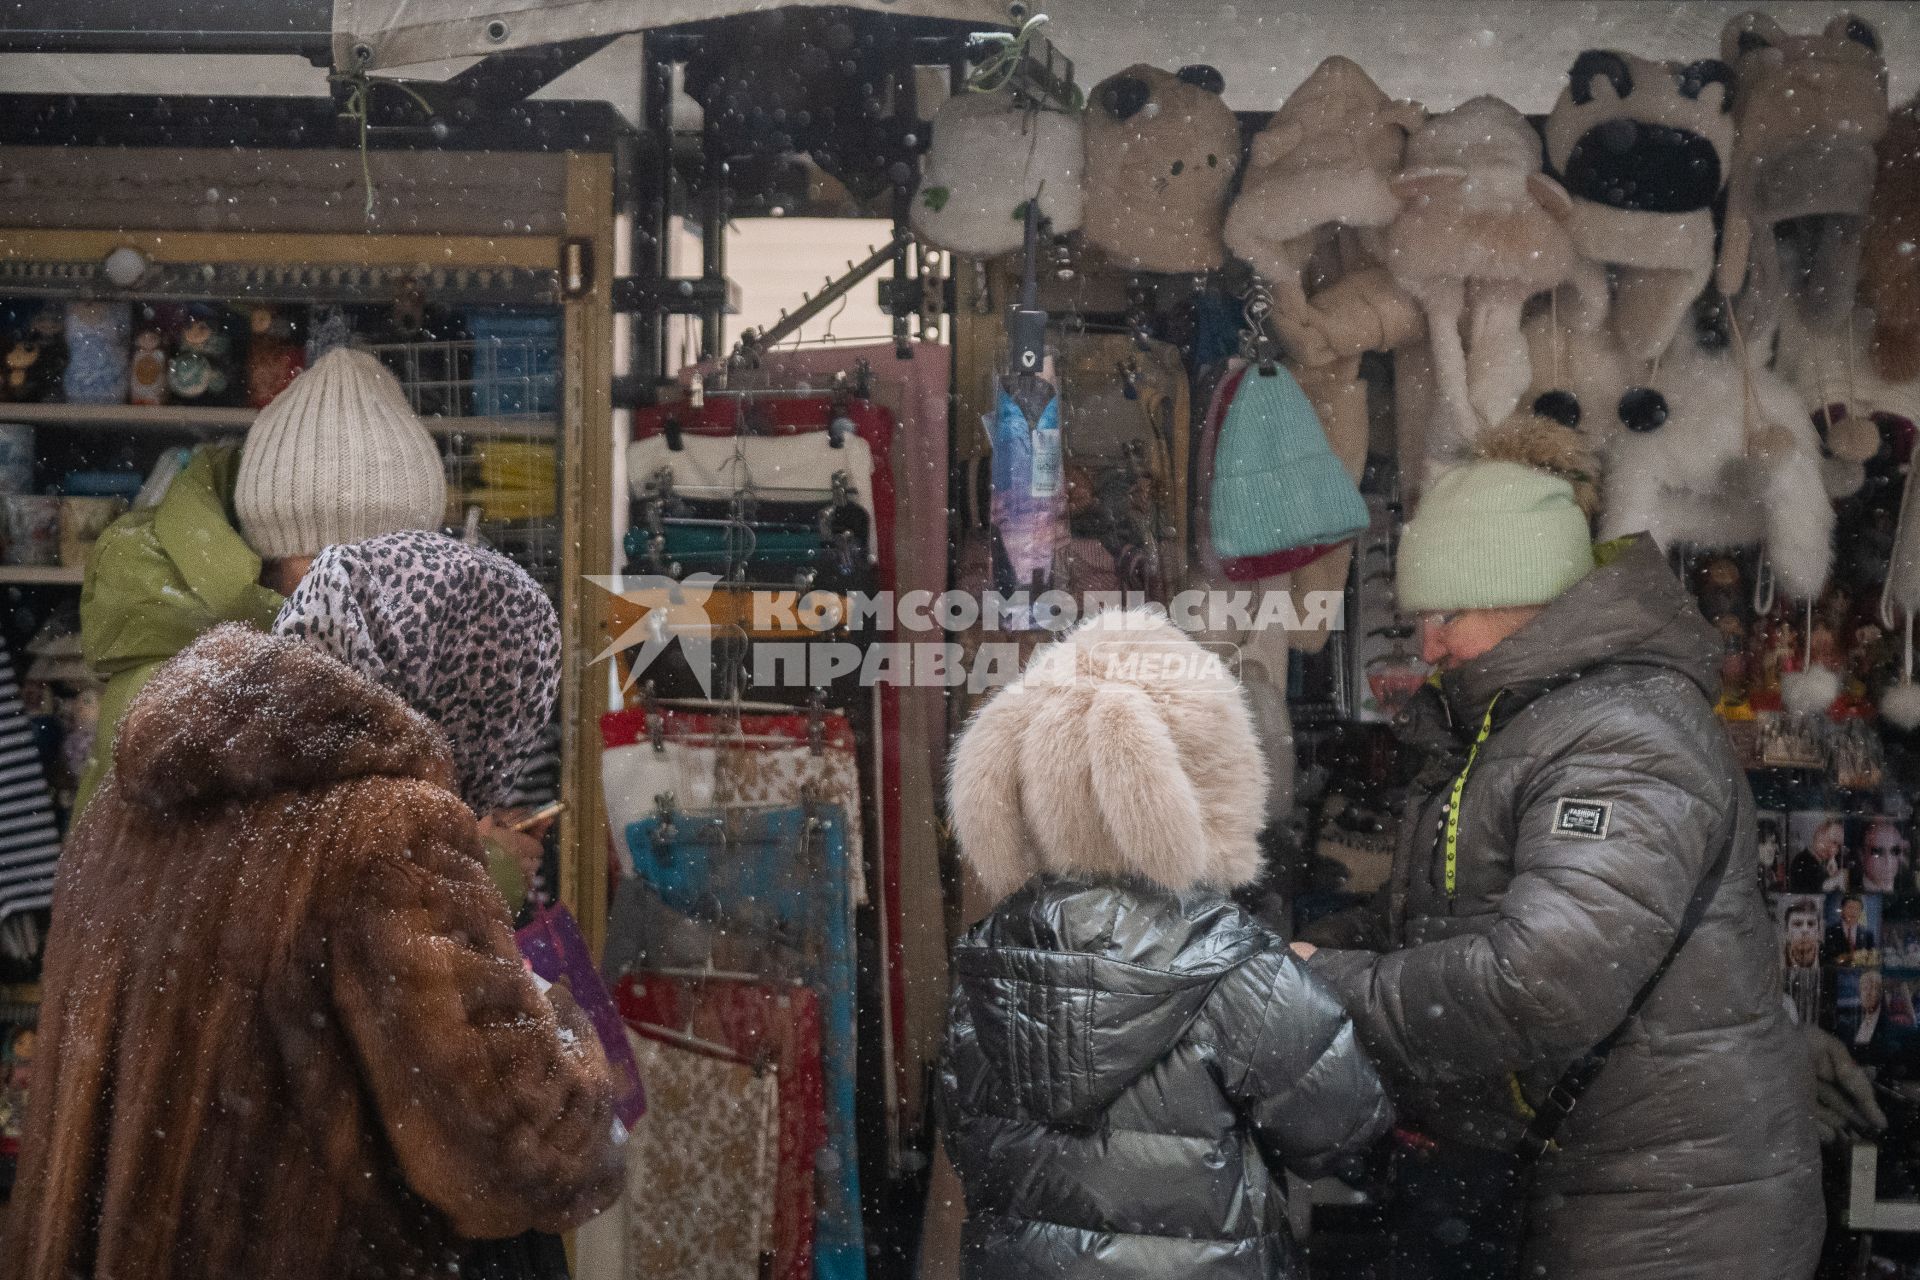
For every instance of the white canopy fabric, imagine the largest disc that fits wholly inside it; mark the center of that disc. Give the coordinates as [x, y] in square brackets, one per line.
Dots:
[371, 34]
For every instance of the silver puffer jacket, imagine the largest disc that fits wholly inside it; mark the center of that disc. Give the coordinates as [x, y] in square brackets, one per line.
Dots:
[1126, 1073]
[1599, 801]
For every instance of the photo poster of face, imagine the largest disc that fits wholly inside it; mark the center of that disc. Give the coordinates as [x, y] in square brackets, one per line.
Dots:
[1852, 936]
[1770, 842]
[1801, 921]
[1818, 857]
[1873, 1015]
[1899, 1049]
[1883, 856]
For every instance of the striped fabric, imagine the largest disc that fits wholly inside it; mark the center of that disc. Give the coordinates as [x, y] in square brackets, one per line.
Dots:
[29, 835]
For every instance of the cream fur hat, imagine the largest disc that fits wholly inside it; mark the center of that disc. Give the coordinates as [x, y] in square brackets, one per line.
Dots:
[1123, 750]
[1328, 155]
[989, 156]
[1808, 112]
[1162, 150]
[337, 457]
[1481, 230]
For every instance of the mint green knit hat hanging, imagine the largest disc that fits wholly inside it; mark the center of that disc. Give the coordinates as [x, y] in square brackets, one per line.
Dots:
[1276, 484]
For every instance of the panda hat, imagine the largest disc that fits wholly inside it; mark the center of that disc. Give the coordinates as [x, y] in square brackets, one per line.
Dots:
[1643, 150]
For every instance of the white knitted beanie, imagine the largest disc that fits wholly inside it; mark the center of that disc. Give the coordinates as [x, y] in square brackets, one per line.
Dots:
[337, 457]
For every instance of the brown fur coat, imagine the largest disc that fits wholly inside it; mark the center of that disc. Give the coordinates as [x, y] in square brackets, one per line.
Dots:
[286, 1030]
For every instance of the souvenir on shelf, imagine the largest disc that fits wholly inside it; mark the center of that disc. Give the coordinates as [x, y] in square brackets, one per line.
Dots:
[36, 360]
[202, 363]
[147, 371]
[274, 359]
[97, 335]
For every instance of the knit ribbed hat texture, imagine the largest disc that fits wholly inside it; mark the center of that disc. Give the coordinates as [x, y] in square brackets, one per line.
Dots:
[1492, 535]
[1276, 484]
[337, 457]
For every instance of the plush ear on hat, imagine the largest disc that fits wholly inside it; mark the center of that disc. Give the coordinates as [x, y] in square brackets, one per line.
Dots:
[1141, 786]
[1851, 26]
[1599, 73]
[984, 790]
[1749, 33]
[1201, 76]
[1696, 78]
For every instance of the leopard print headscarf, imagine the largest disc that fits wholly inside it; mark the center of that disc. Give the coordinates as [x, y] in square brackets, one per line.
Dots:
[460, 632]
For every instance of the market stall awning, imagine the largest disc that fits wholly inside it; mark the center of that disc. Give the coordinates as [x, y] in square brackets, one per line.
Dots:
[370, 34]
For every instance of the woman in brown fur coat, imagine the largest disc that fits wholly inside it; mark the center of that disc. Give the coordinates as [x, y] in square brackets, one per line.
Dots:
[286, 1031]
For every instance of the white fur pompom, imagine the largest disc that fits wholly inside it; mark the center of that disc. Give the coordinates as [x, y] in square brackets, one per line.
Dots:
[1809, 692]
[1901, 705]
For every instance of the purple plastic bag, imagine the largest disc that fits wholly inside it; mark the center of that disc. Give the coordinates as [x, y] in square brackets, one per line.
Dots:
[554, 949]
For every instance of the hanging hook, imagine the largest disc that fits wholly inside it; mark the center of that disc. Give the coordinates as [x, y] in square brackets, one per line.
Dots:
[1256, 340]
[1764, 587]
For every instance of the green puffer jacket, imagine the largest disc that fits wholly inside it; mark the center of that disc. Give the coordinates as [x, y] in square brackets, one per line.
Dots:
[1599, 801]
[158, 578]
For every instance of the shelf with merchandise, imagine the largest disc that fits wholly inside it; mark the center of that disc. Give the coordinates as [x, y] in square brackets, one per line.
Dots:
[186, 417]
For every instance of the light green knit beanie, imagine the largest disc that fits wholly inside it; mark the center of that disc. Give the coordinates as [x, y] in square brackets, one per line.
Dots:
[1492, 535]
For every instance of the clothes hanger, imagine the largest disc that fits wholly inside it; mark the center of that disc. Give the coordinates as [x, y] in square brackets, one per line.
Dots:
[662, 485]
[693, 1043]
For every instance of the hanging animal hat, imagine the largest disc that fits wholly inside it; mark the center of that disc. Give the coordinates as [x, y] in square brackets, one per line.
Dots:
[1162, 150]
[1889, 263]
[1327, 157]
[990, 154]
[1481, 225]
[1808, 111]
[1834, 373]
[1719, 454]
[1642, 149]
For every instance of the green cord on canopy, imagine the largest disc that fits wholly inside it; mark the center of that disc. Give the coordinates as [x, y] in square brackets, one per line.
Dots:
[359, 91]
[998, 70]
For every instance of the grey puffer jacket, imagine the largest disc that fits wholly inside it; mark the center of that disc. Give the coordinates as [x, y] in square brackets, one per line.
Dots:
[1126, 1072]
[1600, 800]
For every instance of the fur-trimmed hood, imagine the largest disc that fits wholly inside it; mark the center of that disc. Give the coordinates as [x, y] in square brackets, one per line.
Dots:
[1123, 751]
[240, 714]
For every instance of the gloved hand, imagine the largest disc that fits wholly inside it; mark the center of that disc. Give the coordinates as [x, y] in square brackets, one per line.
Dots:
[1843, 1102]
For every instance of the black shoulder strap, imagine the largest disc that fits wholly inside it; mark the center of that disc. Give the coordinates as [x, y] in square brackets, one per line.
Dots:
[1564, 1096]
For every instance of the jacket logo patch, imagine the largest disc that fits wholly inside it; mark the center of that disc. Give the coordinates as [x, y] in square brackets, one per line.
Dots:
[1587, 819]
